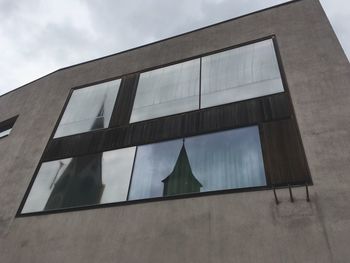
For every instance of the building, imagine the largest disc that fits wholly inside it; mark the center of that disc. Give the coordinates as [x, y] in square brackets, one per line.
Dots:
[229, 143]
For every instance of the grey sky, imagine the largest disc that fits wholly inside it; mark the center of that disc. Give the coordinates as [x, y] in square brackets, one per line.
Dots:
[40, 36]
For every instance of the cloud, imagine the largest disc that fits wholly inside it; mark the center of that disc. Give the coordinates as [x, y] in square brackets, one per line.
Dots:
[338, 12]
[38, 36]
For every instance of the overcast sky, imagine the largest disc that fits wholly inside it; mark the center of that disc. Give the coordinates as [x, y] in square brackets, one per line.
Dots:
[40, 36]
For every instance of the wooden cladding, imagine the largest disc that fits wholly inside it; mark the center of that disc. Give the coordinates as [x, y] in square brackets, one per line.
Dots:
[284, 157]
[244, 113]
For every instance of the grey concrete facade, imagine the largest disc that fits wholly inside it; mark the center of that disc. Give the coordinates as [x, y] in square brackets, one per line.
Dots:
[238, 227]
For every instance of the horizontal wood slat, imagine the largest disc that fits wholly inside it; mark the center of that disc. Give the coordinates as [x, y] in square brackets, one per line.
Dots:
[284, 157]
[244, 113]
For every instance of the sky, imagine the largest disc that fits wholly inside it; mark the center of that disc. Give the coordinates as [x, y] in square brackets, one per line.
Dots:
[41, 36]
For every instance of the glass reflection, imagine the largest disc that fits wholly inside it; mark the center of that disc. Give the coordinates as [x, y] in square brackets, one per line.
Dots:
[227, 160]
[80, 181]
[224, 160]
[153, 163]
[167, 91]
[181, 180]
[241, 73]
[5, 132]
[89, 109]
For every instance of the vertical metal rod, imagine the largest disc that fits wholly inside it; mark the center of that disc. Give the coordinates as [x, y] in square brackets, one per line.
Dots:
[276, 199]
[307, 193]
[290, 193]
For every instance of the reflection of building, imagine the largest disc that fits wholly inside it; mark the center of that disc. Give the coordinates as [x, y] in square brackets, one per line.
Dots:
[181, 180]
[81, 181]
[310, 110]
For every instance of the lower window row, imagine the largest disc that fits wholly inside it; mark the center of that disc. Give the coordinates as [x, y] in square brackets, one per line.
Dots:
[218, 161]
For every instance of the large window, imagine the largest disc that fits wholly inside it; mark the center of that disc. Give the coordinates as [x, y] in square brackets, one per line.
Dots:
[224, 160]
[216, 161]
[167, 91]
[217, 148]
[237, 74]
[88, 109]
[81, 181]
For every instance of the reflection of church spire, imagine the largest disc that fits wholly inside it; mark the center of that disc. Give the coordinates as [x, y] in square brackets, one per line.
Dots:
[55, 178]
[99, 120]
[181, 180]
[81, 181]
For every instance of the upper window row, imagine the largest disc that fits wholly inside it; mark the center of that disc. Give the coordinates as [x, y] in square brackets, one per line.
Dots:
[234, 75]
[238, 74]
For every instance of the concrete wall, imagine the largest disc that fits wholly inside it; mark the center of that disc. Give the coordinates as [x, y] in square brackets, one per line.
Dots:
[239, 227]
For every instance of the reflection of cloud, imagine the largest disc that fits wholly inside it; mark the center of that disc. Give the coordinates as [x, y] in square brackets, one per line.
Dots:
[228, 159]
[42, 36]
[116, 172]
[338, 12]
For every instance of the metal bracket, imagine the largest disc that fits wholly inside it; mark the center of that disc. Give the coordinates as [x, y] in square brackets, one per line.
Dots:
[274, 192]
[307, 192]
[291, 193]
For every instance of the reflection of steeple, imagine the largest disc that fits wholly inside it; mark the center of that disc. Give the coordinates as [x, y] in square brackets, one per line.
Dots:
[181, 180]
[81, 181]
[55, 178]
[99, 120]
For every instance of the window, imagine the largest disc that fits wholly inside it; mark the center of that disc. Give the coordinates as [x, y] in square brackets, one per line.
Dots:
[88, 109]
[5, 132]
[81, 181]
[238, 74]
[218, 148]
[167, 91]
[6, 126]
[218, 161]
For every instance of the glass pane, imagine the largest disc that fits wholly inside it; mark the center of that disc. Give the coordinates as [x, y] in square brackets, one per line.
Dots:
[153, 163]
[80, 181]
[5, 132]
[167, 91]
[224, 160]
[239, 74]
[89, 109]
[228, 159]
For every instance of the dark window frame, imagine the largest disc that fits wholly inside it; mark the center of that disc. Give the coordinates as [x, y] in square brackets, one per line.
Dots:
[269, 186]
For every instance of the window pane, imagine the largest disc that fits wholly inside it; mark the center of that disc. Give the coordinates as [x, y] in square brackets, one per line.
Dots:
[80, 181]
[5, 132]
[241, 73]
[218, 161]
[167, 91]
[89, 109]
[227, 160]
[154, 162]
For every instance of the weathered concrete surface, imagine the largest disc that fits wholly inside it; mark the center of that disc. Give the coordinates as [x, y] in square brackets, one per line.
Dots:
[243, 227]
